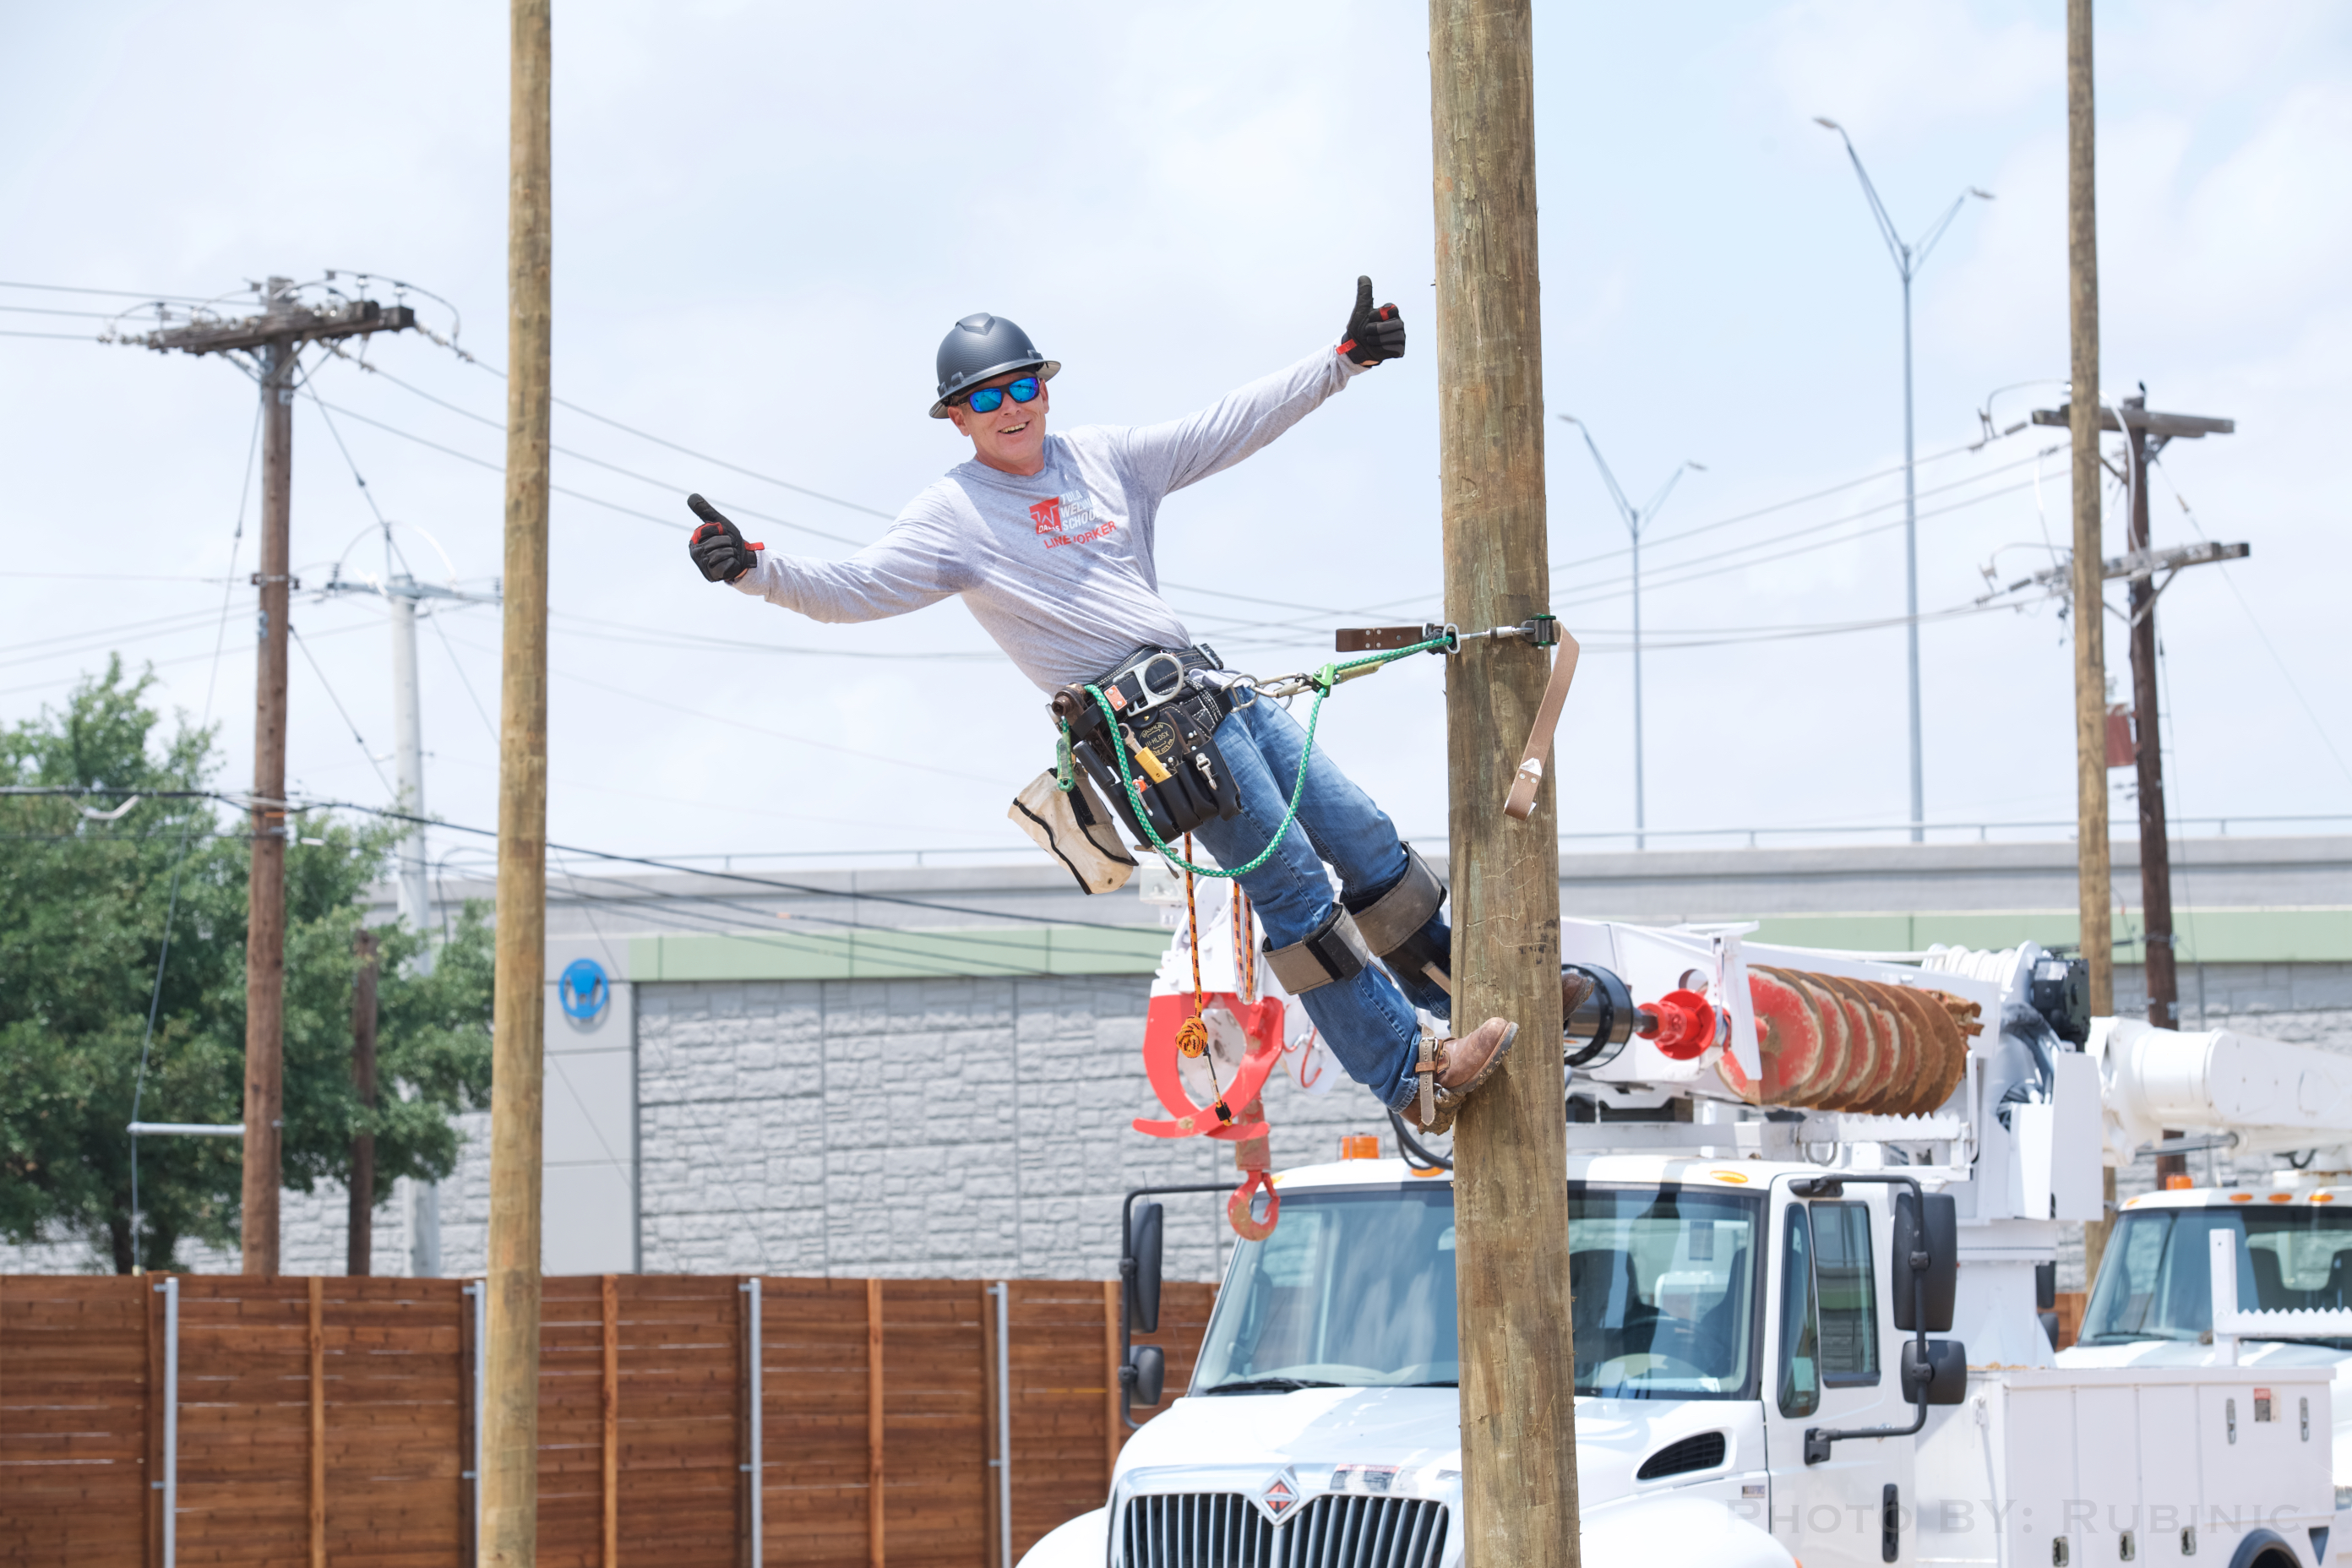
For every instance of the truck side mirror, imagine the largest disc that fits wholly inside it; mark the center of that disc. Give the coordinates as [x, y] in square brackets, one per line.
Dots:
[1144, 1283]
[1942, 1374]
[1145, 1375]
[1924, 1296]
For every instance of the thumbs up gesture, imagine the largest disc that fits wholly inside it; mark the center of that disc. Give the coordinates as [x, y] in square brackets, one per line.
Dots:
[1374, 332]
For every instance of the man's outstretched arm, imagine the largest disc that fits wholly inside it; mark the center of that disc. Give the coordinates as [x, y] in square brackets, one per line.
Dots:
[1170, 456]
[897, 573]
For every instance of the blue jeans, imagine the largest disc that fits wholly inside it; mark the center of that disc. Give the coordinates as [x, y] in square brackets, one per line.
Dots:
[1367, 1020]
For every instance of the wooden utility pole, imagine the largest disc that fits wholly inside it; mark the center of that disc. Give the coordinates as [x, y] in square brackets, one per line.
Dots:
[1510, 1172]
[511, 1451]
[2145, 432]
[361, 1254]
[272, 342]
[265, 919]
[2094, 892]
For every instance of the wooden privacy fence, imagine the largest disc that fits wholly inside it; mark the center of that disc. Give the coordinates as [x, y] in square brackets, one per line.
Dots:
[684, 1419]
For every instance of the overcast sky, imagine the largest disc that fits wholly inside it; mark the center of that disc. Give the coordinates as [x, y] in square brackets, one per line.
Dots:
[766, 217]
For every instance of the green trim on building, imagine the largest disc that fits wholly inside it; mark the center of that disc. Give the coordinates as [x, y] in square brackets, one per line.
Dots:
[1012, 952]
[2321, 935]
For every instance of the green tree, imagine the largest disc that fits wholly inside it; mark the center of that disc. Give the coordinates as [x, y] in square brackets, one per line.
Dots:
[84, 903]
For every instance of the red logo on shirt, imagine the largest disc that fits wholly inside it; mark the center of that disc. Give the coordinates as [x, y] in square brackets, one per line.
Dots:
[1048, 515]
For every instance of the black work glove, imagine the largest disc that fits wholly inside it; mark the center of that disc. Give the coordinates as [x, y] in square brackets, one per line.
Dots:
[1374, 332]
[718, 546]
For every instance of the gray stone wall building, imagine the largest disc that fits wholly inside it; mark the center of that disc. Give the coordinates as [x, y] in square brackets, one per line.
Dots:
[932, 1073]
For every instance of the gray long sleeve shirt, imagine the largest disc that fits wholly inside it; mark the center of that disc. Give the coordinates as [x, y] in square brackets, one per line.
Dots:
[1058, 566]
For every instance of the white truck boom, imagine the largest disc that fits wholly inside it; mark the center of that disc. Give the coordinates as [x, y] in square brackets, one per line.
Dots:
[1814, 1201]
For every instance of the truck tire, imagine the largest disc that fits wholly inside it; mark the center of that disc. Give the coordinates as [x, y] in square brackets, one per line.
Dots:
[2263, 1549]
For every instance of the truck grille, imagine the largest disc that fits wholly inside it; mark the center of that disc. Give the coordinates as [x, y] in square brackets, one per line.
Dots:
[1224, 1529]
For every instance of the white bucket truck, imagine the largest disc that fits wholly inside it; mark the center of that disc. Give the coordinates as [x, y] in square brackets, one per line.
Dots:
[2283, 1296]
[1800, 1335]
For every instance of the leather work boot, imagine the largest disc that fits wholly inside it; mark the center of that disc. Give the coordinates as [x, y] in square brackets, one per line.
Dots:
[1451, 1069]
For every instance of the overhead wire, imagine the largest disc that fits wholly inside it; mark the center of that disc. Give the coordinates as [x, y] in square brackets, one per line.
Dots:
[1673, 575]
[180, 854]
[115, 293]
[2286, 673]
[744, 878]
[162, 663]
[670, 486]
[357, 738]
[733, 723]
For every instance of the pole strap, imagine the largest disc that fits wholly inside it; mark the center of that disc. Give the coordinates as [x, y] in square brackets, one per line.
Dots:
[1521, 802]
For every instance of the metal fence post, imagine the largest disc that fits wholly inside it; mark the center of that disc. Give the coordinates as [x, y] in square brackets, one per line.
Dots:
[170, 1484]
[1002, 1292]
[481, 1328]
[757, 1465]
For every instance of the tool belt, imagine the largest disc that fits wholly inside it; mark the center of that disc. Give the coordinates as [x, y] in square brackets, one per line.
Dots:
[1166, 718]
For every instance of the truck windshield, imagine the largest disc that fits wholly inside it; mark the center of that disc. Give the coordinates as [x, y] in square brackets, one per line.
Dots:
[2156, 1282]
[1356, 1290]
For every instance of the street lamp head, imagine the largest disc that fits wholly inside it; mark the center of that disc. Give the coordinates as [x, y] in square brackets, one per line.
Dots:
[1826, 123]
[1571, 419]
[1981, 194]
[1695, 463]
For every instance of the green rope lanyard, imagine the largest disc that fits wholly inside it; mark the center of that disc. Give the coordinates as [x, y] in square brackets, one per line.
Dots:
[1323, 680]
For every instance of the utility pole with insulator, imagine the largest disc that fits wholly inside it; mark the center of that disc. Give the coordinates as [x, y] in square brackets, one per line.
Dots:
[272, 346]
[1510, 1147]
[403, 594]
[2145, 432]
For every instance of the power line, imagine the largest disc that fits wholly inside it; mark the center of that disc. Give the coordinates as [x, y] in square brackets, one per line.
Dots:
[359, 740]
[163, 663]
[664, 441]
[180, 854]
[115, 293]
[756, 729]
[2286, 673]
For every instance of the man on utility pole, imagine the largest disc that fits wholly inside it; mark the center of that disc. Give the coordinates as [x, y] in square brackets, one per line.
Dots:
[1050, 540]
[272, 342]
[1511, 1151]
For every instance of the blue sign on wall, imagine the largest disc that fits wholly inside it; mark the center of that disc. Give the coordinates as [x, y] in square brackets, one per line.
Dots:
[583, 991]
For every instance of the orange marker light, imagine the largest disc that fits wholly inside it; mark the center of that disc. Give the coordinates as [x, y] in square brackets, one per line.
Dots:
[2322, 1197]
[1360, 1146]
[1734, 1177]
[2281, 1197]
[2242, 1197]
[2178, 1183]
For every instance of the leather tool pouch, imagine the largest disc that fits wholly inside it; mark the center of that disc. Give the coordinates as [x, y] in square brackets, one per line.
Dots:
[1184, 779]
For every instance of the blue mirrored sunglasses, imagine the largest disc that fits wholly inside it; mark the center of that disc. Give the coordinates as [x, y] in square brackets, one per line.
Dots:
[989, 399]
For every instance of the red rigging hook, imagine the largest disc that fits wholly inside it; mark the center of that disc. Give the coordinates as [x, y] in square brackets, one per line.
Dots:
[1237, 1209]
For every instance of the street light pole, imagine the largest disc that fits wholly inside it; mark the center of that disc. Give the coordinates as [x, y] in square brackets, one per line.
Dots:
[1908, 260]
[1635, 519]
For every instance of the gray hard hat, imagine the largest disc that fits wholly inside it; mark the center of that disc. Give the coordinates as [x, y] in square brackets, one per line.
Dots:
[982, 345]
